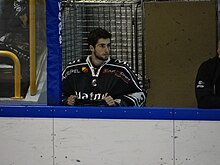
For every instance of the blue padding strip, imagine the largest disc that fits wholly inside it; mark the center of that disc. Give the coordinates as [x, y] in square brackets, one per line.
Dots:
[135, 113]
[112, 113]
[54, 58]
[26, 111]
[196, 114]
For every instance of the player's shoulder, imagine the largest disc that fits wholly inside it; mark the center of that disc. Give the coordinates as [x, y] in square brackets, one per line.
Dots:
[209, 63]
[120, 63]
[74, 65]
[125, 66]
[77, 61]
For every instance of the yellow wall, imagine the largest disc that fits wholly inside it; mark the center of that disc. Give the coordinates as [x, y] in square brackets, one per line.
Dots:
[178, 37]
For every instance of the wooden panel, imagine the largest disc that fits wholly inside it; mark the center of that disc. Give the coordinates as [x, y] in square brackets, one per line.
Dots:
[178, 37]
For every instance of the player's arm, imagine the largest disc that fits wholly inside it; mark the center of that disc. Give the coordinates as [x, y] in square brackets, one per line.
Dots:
[204, 89]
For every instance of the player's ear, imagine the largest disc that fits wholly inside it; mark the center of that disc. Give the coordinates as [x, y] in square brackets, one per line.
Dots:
[91, 47]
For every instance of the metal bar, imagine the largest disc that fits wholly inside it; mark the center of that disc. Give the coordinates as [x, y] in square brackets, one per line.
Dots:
[135, 38]
[96, 4]
[132, 34]
[104, 20]
[144, 78]
[109, 13]
[121, 30]
[17, 72]
[32, 37]
[116, 36]
[126, 18]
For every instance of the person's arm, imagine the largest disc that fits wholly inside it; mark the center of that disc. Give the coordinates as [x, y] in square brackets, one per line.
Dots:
[132, 99]
[65, 92]
[68, 97]
[204, 87]
[135, 95]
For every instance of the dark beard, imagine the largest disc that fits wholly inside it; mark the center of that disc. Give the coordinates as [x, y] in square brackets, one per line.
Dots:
[99, 57]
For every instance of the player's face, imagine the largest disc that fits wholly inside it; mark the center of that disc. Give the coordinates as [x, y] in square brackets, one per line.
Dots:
[102, 49]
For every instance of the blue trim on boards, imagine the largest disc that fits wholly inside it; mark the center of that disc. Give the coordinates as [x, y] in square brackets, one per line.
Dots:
[26, 111]
[112, 113]
[133, 113]
[196, 114]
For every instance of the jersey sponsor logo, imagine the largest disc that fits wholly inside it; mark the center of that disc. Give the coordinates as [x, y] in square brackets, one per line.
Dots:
[91, 96]
[122, 76]
[117, 73]
[85, 69]
[109, 71]
[200, 84]
[70, 72]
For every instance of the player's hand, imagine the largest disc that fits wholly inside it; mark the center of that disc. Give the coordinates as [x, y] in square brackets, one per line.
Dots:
[71, 100]
[110, 101]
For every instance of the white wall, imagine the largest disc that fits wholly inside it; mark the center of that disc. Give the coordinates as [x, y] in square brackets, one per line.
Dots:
[26, 141]
[47, 141]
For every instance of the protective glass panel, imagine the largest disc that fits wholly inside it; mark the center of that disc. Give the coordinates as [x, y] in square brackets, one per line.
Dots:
[22, 51]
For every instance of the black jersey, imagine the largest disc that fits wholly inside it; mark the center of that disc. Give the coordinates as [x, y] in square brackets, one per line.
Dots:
[207, 85]
[114, 78]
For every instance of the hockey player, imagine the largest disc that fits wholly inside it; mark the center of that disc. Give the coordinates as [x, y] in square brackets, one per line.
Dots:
[98, 79]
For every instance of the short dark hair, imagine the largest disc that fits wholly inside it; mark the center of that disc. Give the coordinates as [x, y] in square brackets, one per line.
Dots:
[96, 34]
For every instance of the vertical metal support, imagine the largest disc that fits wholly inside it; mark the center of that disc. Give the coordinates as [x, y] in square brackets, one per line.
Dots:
[145, 81]
[32, 37]
[132, 38]
[17, 72]
[136, 37]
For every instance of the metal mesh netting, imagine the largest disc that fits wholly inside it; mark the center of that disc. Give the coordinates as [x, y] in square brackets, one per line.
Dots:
[122, 19]
[103, 1]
